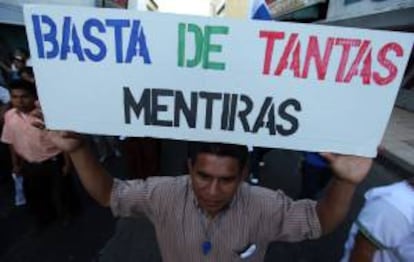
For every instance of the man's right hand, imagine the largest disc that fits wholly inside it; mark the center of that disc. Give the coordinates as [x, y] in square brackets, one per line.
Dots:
[93, 176]
[65, 140]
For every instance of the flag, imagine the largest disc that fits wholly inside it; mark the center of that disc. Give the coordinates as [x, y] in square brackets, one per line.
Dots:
[260, 10]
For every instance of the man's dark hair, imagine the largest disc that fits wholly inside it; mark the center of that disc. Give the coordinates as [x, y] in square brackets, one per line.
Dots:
[238, 152]
[23, 85]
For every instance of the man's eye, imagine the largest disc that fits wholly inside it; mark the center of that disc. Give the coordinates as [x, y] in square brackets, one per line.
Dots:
[203, 176]
[228, 180]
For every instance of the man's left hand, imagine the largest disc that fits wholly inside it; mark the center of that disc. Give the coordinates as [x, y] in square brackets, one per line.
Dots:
[351, 169]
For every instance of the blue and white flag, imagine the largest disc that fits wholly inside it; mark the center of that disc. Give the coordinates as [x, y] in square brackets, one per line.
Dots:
[260, 10]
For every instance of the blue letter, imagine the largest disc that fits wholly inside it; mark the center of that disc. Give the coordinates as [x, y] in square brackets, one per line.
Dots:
[137, 38]
[118, 24]
[65, 47]
[77, 48]
[48, 37]
[69, 33]
[87, 28]
[38, 36]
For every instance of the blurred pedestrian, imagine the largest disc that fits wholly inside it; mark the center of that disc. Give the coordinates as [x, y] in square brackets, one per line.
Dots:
[142, 156]
[256, 163]
[41, 164]
[18, 64]
[316, 173]
[5, 159]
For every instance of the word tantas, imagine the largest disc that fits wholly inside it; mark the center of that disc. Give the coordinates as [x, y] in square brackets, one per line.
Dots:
[349, 66]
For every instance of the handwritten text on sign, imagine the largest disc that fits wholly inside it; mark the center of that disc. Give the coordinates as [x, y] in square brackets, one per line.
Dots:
[271, 84]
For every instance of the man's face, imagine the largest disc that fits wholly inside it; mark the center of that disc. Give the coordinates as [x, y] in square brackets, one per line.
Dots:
[22, 100]
[215, 180]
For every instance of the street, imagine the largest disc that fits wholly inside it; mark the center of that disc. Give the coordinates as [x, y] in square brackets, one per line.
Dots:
[95, 234]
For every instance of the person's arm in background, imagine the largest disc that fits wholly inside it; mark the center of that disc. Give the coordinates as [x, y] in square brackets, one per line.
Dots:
[93, 176]
[67, 164]
[363, 250]
[16, 161]
[5, 67]
[349, 172]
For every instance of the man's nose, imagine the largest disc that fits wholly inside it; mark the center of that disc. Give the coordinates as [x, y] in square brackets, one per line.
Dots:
[18, 101]
[214, 187]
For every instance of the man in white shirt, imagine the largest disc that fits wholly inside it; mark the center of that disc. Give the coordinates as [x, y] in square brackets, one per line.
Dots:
[384, 229]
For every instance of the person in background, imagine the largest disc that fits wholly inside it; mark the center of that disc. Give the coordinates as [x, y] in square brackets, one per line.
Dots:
[256, 163]
[316, 174]
[5, 160]
[384, 229]
[17, 65]
[142, 156]
[35, 157]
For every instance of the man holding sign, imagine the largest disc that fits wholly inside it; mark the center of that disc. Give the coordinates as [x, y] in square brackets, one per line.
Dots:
[211, 213]
[284, 87]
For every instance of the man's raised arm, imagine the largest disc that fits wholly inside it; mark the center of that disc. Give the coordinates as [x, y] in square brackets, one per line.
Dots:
[94, 177]
[349, 172]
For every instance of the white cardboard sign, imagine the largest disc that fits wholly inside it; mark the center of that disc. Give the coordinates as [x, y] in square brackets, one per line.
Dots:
[261, 83]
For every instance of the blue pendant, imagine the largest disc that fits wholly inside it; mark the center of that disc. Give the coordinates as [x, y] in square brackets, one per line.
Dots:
[206, 247]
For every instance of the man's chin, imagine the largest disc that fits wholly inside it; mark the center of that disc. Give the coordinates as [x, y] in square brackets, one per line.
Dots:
[212, 209]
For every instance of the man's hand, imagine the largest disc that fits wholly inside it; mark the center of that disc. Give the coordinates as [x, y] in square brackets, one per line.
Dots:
[93, 176]
[64, 140]
[349, 172]
[351, 169]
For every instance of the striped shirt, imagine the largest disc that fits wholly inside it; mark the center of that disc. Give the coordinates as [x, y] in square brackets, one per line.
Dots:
[255, 217]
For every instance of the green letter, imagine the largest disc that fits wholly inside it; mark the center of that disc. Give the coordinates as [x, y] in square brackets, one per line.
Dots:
[209, 30]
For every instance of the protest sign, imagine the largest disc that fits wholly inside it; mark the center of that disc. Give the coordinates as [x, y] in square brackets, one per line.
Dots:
[262, 83]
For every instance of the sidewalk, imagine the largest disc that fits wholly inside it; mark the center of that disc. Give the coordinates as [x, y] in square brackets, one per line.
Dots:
[398, 140]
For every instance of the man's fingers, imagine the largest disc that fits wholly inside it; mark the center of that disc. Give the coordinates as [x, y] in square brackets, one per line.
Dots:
[37, 113]
[70, 134]
[328, 156]
[38, 124]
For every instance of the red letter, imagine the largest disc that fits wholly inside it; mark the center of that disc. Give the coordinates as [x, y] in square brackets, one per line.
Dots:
[382, 59]
[347, 44]
[271, 38]
[295, 63]
[313, 52]
[366, 69]
[288, 49]
[354, 67]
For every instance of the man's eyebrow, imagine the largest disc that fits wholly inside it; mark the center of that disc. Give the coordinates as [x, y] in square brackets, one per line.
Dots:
[202, 173]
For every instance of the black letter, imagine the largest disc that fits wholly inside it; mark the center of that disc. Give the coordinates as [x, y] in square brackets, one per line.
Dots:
[159, 108]
[225, 112]
[233, 107]
[259, 121]
[144, 102]
[189, 113]
[210, 97]
[291, 119]
[243, 113]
